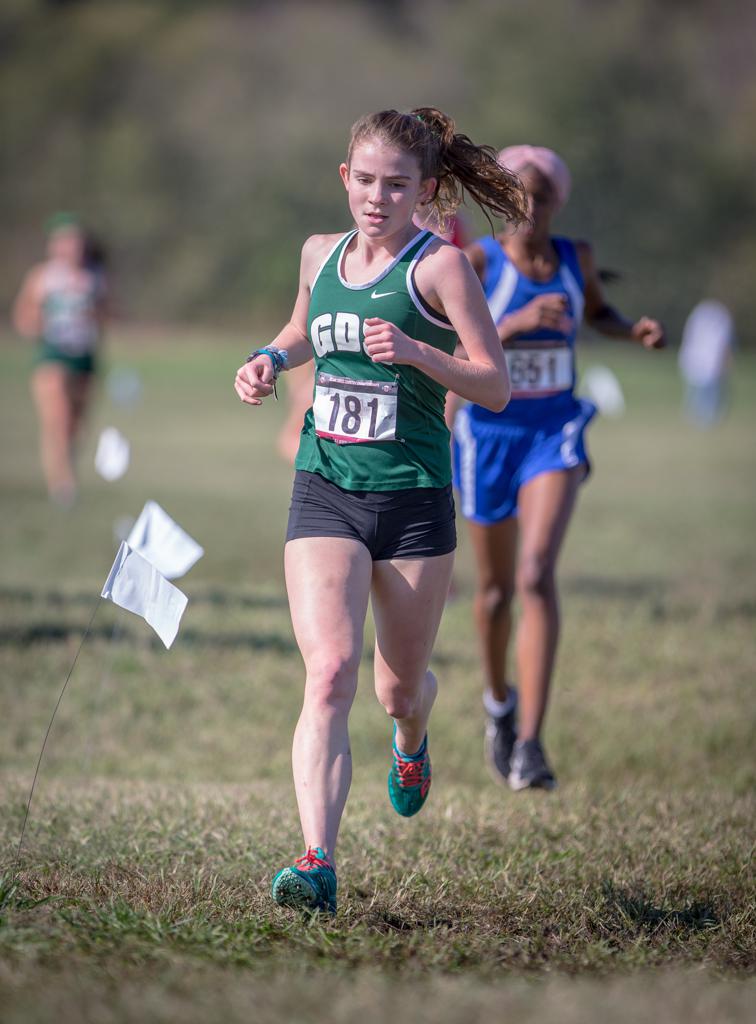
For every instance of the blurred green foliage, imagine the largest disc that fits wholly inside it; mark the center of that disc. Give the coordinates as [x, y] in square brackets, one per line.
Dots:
[202, 139]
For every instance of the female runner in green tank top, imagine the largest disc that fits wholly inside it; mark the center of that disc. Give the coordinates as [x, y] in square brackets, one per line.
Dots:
[381, 309]
[62, 305]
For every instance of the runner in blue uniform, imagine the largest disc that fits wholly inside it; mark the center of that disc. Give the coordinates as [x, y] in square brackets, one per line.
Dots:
[518, 471]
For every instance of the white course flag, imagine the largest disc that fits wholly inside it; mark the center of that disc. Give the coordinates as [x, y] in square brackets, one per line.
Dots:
[112, 455]
[163, 543]
[138, 587]
[601, 386]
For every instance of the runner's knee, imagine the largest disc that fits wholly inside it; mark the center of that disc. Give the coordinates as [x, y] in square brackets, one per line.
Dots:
[52, 402]
[331, 683]
[397, 699]
[494, 599]
[535, 576]
[399, 705]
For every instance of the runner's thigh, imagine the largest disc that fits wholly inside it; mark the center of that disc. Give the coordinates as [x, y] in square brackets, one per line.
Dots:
[545, 505]
[408, 600]
[495, 549]
[328, 582]
[50, 391]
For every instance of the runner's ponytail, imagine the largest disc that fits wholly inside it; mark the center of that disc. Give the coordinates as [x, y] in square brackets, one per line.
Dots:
[458, 164]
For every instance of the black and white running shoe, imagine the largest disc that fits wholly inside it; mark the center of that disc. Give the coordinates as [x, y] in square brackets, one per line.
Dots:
[501, 733]
[529, 768]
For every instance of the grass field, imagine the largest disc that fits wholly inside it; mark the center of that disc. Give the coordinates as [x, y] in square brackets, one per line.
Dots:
[165, 803]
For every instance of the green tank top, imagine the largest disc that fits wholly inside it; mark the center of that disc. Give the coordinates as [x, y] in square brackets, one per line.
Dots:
[374, 426]
[69, 314]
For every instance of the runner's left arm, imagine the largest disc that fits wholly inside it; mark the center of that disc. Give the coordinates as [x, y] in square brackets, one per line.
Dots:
[603, 317]
[449, 281]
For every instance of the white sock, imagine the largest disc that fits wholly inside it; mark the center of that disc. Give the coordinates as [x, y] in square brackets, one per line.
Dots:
[497, 708]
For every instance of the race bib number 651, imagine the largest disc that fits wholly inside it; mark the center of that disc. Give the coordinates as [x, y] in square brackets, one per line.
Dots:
[350, 411]
[539, 370]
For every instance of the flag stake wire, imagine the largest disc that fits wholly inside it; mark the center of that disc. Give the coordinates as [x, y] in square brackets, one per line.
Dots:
[44, 741]
[115, 636]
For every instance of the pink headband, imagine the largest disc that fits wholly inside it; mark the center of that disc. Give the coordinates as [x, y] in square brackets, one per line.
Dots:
[551, 166]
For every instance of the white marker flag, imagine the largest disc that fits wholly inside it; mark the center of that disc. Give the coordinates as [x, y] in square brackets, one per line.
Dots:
[138, 587]
[112, 455]
[601, 386]
[163, 543]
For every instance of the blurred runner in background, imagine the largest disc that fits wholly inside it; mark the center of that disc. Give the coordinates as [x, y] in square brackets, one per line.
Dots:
[61, 304]
[705, 359]
[518, 471]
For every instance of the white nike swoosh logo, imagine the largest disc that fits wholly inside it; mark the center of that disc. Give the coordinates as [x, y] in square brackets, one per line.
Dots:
[381, 295]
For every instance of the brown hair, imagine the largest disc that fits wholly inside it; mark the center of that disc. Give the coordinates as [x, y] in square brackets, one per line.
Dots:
[453, 159]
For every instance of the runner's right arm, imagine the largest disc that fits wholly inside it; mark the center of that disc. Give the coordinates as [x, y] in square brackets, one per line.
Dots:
[254, 380]
[544, 312]
[27, 309]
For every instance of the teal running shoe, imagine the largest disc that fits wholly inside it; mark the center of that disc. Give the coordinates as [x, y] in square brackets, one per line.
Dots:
[309, 884]
[409, 780]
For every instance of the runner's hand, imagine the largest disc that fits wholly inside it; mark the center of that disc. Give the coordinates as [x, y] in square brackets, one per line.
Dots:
[544, 313]
[254, 380]
[649, 333]
[385, 343]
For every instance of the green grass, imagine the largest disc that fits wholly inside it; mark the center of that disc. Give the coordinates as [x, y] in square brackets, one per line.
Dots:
[165, 802]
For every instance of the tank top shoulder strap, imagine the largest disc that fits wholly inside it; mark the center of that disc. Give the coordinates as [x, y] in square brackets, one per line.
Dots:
[408, 266]
[500, 277]
[331, 260]
[418, 246]
[493, 251]
[490, 246]
[567, 252]
[496, 261]
[571, 275]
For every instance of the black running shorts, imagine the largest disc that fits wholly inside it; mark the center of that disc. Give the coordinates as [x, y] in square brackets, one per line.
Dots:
[417, 522]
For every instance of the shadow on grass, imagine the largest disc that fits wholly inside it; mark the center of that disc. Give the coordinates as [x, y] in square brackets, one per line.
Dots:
[745, 609]
[636, 908]
[213, 597]
[389, 921]
[57, 632]
[255, 640]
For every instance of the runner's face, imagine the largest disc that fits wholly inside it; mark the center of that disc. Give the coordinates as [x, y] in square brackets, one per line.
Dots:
[542, 202]
[66, 245]
[384, 188]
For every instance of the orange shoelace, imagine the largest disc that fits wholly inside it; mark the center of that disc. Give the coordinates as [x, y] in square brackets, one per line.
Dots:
[410, 772]
[310, 860]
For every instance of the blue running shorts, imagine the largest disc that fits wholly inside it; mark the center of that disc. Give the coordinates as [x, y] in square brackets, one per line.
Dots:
[492, 460]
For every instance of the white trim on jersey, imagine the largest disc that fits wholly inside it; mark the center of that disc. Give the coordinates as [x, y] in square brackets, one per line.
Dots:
[577, 298]
[386, 270]
[467, 461]
[570, 436]
[349, 234]
[503, 292]
[413, 293]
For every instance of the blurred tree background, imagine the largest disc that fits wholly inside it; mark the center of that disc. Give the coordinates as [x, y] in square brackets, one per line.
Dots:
[202, 139]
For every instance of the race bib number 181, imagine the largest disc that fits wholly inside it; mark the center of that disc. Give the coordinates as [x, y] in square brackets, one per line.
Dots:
[349, 411]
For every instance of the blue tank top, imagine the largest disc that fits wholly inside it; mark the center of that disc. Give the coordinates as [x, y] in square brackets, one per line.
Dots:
[541, 363]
